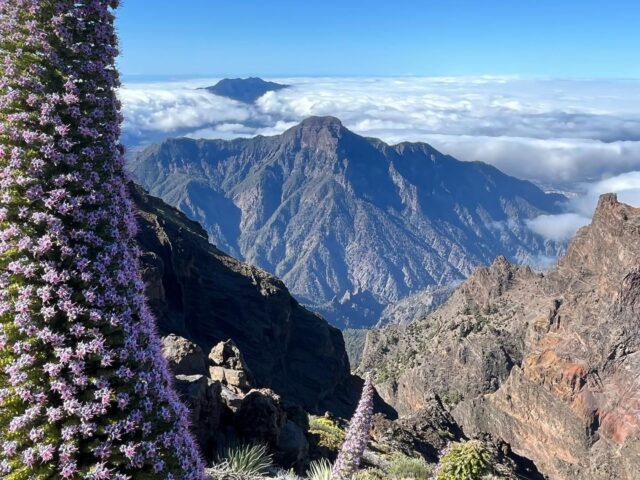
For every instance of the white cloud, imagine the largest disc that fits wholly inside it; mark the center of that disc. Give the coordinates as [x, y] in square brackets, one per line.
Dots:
[557, 227]
[563, 227]
[626, 185]
[546, 130]
[171, 110]
[548, 161]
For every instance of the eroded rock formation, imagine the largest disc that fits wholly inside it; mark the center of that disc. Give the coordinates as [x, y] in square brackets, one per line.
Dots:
[200, 293]
[549, 364]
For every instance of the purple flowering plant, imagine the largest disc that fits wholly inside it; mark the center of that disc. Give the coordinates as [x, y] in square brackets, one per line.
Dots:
[357, 437]
[84, 390]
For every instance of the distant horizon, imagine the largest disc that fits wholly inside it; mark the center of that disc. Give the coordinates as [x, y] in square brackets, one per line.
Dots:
[569, 39]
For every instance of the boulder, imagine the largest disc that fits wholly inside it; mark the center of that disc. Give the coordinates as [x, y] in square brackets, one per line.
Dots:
[227, 354]
[237, 379]
[227, 365]
[184, 356]
[203, 398]
[426, 432]
[260, 417]
[231, 398]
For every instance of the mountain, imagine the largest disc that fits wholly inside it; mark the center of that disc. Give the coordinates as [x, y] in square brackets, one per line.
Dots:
[549, 364]
[198, 292]
[349, 223]
[416, 305]
[246, 90]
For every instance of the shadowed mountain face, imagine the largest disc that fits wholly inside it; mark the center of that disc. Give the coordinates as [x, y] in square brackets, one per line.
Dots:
[246, 90]
[349, 223]
[550, 364]
[198, 292]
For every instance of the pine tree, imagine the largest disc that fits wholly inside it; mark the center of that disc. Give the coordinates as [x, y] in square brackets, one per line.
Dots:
[84, 390]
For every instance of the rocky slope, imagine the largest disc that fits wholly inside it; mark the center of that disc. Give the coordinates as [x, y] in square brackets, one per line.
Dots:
[416, 306]
[549, 364]
[349, 223]
[200, 293]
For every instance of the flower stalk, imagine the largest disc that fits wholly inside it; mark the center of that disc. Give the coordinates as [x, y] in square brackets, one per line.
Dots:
[84, 390]
[357, 437]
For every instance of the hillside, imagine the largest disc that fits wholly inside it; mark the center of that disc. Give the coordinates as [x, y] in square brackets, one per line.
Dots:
[549, 364]
[349, 223]
[200, 293]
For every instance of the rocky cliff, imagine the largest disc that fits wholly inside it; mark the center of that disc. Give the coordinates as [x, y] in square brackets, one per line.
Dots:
[200, 293]
[351, 224]
[549, 364]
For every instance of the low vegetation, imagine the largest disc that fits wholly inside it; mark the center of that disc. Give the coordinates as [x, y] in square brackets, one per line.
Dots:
[249, 459]
[465, 461]
[408, 468]
[327, 432]
[319, 470]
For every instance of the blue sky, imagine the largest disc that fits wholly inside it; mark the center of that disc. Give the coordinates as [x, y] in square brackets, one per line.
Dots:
[560, 38]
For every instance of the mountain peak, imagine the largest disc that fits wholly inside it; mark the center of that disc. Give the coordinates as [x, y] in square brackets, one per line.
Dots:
[318, 132]
[246, 90]
[606, 249]
[610, 211]
[320, 123]
[334, 212]
[607, 199]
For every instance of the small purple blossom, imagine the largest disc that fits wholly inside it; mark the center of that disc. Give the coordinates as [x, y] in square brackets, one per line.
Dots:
[355, 443]
[78, 346]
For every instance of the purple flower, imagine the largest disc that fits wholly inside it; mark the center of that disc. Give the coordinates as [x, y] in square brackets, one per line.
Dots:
[357, 436]
[81, 362]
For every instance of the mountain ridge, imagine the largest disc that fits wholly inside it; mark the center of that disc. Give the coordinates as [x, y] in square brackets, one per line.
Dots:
[547, 363]
[350, 223]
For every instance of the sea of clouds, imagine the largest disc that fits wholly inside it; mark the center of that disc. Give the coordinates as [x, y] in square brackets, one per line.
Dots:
[579, 136]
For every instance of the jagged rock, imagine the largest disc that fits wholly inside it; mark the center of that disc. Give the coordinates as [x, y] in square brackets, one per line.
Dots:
[198, 292]
[228, 355]
[350, 223]
[261, 416]
[233, 378]
[229, 366]
[425, 432]
[548, 364]
[184, 356]
[232, 398]
[203, 397]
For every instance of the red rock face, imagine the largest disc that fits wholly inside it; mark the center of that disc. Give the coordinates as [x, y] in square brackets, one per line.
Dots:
[571, 399]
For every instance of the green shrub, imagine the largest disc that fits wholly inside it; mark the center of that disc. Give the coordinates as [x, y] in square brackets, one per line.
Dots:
[388, 372]
[249, 459]
[370, 474]
[327, 432]
[451, 399]
[465, 461]
[407, 468]
[319, 470]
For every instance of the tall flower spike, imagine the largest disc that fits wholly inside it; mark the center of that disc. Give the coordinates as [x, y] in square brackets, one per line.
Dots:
[357, 437]
[84, 390]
